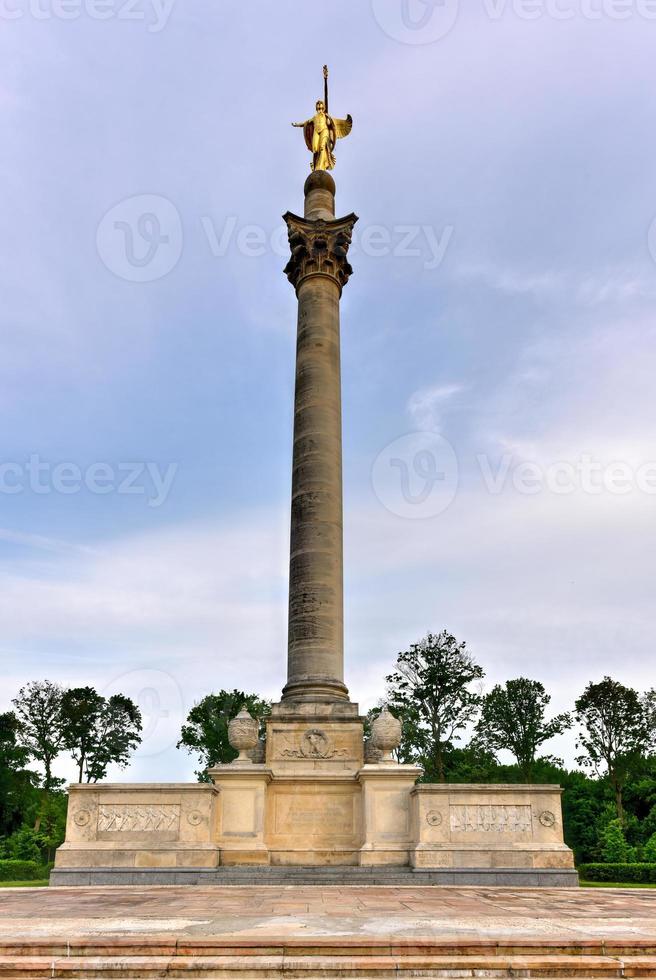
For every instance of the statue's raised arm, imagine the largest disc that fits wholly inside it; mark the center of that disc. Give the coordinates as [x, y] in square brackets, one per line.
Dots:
[322, 132]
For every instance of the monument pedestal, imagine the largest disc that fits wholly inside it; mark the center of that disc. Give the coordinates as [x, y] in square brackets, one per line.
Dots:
[241, 814]
[386, 790]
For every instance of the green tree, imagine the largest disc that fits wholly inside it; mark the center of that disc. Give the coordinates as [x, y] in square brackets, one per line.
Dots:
[430, 690]
[16, 781]
[649, 850]
[513, 718]
[471, 764]
[618, 728]
[614, 846]
[38, 707]
[99, 731]
[117, 735]
[206, 728]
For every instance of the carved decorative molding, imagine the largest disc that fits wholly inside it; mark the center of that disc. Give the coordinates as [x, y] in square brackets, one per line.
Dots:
[490, 819]
[319, 248]
[147, 818]
[315, 744]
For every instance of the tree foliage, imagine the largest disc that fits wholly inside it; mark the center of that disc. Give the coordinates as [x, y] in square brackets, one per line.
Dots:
[206, 728]
[431, 692]
[513, 718]
[614, 846]
[99, 731]
[618, 728]
[38, 707]
[16, 781]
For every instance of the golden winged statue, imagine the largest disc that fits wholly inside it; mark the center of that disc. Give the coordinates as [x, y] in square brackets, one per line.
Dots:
[323, 130]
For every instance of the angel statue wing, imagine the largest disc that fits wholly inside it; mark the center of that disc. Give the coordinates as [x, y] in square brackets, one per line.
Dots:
[342, 127]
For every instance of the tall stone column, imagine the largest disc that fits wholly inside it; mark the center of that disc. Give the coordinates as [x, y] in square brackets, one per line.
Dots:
[318, 270]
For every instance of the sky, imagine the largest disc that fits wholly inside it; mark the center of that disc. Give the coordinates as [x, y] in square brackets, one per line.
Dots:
[498, 337]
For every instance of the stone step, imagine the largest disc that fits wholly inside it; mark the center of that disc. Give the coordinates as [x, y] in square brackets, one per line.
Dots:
[365, 957]
[310, 967]
[333, 946]
[321, 875]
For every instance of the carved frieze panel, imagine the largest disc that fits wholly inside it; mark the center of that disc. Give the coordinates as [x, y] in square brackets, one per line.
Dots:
[153, 818]
[490, 819]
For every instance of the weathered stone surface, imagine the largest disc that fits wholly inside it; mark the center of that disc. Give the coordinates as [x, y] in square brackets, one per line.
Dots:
[472, 826]
[314, 746]
[140, 825]
[318, 269]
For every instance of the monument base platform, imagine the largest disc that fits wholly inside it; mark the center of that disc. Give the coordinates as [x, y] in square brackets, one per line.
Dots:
[262, 825]
[316, 875]
[322, 802]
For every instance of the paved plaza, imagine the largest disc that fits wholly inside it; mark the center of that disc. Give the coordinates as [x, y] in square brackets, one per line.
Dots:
[344, 913]
[274, 933]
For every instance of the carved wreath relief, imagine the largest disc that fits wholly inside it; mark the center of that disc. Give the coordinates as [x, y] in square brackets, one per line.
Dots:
[122, 818]
[483, 818]
[315, 744]
[434, 818]
[547, 818]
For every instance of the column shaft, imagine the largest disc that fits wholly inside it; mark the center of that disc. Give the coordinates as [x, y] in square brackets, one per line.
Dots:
[318, 269]
[316, 625]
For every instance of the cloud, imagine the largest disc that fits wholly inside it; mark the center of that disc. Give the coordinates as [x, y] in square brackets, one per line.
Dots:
[425, 406]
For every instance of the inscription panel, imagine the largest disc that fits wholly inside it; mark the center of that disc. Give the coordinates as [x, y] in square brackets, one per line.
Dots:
[301, 817]
[491, 819]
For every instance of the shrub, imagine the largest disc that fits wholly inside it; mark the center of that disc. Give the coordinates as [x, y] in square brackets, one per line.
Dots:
[20, 870]
[23, 845]
[639, 874]
[649, 851]
[614, 846]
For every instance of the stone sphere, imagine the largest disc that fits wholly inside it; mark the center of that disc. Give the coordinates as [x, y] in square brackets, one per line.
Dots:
[386, 734]
[243, 734]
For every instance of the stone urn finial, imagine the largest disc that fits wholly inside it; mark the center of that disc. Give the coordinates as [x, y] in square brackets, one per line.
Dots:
[386, 734]
[243, 735]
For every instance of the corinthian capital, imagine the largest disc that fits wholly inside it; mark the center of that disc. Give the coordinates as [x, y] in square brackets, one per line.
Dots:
[319, 248]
